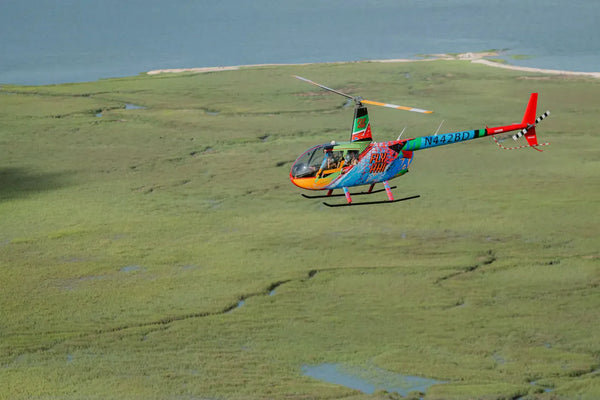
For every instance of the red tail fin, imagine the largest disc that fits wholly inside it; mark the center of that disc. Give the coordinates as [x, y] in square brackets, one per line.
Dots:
[530, 112]
[529, 119]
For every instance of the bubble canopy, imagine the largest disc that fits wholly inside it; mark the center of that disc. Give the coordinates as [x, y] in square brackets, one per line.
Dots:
[310, 161]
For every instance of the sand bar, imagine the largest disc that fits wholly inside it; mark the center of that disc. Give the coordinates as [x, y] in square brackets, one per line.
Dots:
[478, 58]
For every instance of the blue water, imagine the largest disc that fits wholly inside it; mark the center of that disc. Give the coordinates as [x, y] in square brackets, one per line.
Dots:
[131, 268]
[48, 41]
[370, 379]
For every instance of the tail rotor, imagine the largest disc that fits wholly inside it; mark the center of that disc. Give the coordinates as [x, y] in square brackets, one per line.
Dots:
[529, 124]
[529, 132]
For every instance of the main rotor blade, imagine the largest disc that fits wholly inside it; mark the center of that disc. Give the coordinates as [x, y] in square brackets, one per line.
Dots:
[376, 103]
[323, 87]
[360, 100]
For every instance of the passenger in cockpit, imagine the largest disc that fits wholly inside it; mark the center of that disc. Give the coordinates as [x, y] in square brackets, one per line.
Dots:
[352, 157]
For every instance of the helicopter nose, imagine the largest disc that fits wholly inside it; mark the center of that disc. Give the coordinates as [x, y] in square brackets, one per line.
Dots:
[304, 183]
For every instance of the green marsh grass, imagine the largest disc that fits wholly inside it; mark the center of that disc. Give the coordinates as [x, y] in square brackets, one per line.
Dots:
[125, 238]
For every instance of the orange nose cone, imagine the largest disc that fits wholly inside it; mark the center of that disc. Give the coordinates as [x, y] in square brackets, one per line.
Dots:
[311, 183]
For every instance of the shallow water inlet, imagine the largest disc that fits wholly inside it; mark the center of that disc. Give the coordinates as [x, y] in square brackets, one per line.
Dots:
[369, 379]
[130, 106]
[238, 305]
[131, 268]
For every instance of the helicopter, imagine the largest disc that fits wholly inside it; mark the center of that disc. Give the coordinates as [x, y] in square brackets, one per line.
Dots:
[362, 161]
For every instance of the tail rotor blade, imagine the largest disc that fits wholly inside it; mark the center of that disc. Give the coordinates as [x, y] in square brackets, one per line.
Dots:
[537, 121]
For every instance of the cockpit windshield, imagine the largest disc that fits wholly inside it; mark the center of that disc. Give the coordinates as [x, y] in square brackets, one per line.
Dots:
[309, 163]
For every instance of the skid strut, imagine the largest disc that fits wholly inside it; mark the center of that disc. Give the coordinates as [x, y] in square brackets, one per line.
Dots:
[349, 202]
[324, 196]
[372, 202]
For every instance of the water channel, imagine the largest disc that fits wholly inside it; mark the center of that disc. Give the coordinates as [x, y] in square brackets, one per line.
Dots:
[369, 379]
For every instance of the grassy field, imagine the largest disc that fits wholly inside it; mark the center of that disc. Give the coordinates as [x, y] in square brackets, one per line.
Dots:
[128, 239]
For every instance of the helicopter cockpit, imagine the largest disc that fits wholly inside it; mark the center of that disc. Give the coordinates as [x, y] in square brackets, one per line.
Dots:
[315, 159]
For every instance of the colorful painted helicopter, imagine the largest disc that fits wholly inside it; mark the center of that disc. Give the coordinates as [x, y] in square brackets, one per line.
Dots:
[361, 161]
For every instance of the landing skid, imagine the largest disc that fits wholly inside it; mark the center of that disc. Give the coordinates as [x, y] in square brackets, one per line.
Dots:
[370, 202]
[324, 196]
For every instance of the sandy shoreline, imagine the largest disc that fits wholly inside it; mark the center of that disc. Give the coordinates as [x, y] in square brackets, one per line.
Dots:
[477, 58]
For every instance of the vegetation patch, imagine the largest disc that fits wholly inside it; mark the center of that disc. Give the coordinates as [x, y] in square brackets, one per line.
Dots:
[123, 245]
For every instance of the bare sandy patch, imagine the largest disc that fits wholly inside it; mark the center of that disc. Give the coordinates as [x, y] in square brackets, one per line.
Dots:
[538, 70]
[477, 58]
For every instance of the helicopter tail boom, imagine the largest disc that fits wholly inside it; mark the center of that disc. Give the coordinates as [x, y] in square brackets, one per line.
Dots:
[526, 128]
